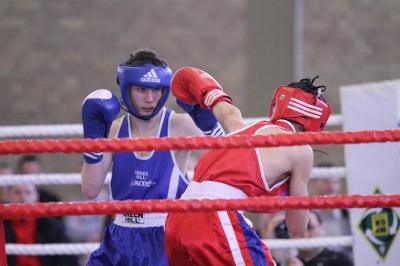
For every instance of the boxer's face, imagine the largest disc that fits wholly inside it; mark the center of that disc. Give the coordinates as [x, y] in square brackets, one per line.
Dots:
[145, 100]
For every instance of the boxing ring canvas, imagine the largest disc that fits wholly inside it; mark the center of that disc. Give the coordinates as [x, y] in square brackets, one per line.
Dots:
[373, 169]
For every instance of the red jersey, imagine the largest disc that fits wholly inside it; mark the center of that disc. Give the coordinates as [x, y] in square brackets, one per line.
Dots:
[241, 168]
[223, 237]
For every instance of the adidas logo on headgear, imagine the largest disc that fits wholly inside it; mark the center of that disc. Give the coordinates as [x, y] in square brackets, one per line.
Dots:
[151, 76]
[305, 108]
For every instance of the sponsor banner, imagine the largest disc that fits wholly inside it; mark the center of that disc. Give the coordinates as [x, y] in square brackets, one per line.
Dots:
[373, 168]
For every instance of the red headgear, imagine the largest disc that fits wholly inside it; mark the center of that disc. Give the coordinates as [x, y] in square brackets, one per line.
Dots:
[300, 106]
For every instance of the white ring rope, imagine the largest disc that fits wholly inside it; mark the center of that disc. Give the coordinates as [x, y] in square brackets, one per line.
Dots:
[51, 249]
[75, 178]
[45, 179]
[84, 248]
[41, 130]
[77, 129]
[343, 241]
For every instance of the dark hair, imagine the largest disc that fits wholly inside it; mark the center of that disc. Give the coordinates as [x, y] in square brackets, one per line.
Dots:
[307, 85]
[143, 57]
[28, 158]
[281, 230]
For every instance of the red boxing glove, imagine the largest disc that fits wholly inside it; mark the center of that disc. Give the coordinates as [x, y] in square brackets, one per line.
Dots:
[192, 86]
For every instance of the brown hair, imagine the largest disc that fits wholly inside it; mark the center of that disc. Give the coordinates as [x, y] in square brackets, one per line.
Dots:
[145, 56]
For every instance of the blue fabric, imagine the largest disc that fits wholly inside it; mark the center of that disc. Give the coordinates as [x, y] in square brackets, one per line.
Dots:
[139, 178]
[124, 246]
[253, 242]
[202, 117]
[154, 177]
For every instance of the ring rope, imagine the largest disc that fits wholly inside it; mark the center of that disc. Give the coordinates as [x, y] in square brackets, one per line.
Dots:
[252, 204]
[84, 248]
[77, 129]
[188, 143]
[355, 201]
[45, 179]
[75, 178]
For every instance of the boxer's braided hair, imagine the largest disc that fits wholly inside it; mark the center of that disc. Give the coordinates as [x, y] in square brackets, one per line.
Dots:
[307, 85]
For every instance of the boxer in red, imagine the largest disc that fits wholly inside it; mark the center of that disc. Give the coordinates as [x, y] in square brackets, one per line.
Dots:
[227, 237]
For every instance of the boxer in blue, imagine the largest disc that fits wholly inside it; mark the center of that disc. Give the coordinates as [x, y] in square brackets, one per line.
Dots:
[144, 80]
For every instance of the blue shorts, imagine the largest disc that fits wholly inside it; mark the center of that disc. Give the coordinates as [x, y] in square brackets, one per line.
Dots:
[122, 246]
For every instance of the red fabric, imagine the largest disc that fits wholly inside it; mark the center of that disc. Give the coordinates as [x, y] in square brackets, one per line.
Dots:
[196, 239]
[25, 233]
[245, 173]
[188, 85]
[199, 239]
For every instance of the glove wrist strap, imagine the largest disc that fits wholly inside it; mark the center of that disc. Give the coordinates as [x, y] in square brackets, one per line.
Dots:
[215, 96]
[217, 130]
[92, 157]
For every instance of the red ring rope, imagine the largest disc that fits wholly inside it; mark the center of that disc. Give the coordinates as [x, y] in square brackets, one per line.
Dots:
[20, 211]
[183, 143]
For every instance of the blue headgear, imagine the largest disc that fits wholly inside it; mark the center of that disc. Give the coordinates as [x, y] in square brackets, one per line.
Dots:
[145, 76]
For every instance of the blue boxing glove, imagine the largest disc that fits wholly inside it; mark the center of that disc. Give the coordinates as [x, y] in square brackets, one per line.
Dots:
[203, 118]
[99, 110]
